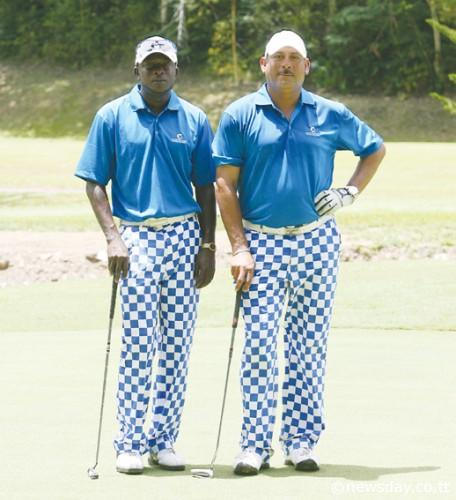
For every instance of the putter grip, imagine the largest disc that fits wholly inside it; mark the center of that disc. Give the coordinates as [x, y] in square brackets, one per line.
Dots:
[237, 306]
[113, 299]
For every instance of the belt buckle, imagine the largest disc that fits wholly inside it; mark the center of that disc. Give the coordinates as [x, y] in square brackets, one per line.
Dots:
[292, 230]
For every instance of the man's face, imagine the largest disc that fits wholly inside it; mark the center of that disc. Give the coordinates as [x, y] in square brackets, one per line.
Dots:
[286, 69]
[157, 72]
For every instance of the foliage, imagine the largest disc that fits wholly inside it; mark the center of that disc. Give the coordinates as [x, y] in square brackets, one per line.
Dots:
[448, 103]
[445, 30]
[362, 46]
[73, 33]
[380, 46]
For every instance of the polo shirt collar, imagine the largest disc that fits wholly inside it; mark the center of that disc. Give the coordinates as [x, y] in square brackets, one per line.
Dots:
[262, 97]
[173, 103]
[137, 102]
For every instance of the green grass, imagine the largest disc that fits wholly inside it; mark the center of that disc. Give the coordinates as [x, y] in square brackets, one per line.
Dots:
[39, 163]
[390, 379]
[388, 393]
[414, 177]
[409, 202]
[388, 411]
[385, 295]
[46, 211]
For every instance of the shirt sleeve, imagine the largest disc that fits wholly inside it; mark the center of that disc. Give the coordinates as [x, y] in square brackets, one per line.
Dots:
[356, 136]
[203, 168]
[227, 145]
[98, 156]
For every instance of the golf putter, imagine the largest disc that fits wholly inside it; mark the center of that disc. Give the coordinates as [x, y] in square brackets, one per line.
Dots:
[209, 473]
[93, 474]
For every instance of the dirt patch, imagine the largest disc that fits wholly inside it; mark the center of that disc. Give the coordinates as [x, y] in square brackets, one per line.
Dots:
[31, 257]
[49, 256]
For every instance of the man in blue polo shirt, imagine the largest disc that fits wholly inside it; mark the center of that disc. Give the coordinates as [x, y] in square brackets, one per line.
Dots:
[153, 146]
[274, 150]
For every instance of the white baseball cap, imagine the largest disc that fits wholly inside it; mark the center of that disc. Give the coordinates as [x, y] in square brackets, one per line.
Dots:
[154, 45]
[285, 39]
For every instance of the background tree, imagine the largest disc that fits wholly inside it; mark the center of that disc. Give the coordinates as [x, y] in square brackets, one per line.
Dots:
[363, 46]
[437, 43]
[181, 31]
[234, 42]
[163, 12]
[448, 103]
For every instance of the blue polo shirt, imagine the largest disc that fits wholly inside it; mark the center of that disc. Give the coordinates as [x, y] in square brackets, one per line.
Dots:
[285, 163]
[151, 160]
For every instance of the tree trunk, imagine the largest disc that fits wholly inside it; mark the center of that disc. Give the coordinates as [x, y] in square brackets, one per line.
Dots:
[332, 9]
[437, 43]
[82, 36]
[181, 23]
[163, 12]
[234, 42]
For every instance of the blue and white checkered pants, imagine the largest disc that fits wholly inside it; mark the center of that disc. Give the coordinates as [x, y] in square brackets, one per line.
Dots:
[304, 266]
[159, 302]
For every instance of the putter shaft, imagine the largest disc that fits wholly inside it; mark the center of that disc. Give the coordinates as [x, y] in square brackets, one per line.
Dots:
[91, 471]
[237, 306]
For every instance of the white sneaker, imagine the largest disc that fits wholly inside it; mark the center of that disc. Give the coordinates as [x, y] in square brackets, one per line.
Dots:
[167, 459]
[129, 462]
[303, 460]
[249, 463]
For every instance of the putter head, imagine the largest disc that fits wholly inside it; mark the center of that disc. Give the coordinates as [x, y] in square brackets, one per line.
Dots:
[93, 474]
[202, 473]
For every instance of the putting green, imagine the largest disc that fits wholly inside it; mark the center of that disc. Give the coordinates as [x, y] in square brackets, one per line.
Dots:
[390, 401]
[390, 408]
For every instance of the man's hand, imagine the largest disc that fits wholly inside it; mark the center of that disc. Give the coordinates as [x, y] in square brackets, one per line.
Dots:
[204, 267]
[330, 200]
[242, 267]
[118, 262]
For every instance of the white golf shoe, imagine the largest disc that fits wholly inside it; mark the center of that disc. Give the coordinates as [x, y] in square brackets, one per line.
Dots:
[167, 459]
[249, 463]
[303, 460]
[129, 463]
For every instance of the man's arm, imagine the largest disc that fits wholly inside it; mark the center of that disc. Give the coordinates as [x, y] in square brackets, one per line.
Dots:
[205, 260]
[366, 168]
[330, 200]
[242, 264]
[116, 249]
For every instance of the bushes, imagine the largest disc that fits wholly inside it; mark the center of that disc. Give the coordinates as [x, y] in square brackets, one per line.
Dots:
[365, 46]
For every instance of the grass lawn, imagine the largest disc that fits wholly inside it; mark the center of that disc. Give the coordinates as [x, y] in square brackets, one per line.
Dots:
[396, 295]
[389, 396]
[390, 385]
[403, 203]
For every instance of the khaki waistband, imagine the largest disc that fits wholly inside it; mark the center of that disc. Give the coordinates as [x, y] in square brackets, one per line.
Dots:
[158, 222]
[287, 230]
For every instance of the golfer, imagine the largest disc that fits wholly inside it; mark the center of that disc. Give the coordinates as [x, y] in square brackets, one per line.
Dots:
[153, 146]
[274, 150]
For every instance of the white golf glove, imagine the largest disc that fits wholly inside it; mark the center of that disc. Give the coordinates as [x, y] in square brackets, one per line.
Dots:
[330, 200]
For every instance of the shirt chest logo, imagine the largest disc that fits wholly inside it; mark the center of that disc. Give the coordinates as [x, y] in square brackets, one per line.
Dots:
[180, 139]
[313, 131]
